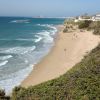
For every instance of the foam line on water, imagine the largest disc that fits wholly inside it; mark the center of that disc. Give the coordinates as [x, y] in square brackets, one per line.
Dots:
[46, 37]
[20, 39]
[15, 79]
[39, 38]
[3, 63]
[48, 25]
[20, 21]
[5, 57]
[44, 25]
[18, 50]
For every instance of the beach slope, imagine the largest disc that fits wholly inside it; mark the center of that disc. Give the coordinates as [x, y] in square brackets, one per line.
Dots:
[68, 50]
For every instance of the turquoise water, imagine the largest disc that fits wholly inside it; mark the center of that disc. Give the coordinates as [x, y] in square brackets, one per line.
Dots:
[23, 42]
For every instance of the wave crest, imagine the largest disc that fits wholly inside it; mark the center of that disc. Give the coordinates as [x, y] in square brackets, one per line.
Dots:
[20, 21]
[3, 63]
[5, 57]
[19, 50]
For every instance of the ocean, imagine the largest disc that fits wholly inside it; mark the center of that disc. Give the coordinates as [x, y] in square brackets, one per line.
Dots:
[23, 43]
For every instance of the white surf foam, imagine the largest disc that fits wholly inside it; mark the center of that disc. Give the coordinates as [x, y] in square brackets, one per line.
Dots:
[39, 38]
[19, 50]
[44, 25]
[3, 63]
[53, 31]
[20, 21]
[29, 50]
[5, 57]
[52, 27]
[46, 37]
[48, 25]
[20, 39]
[15, 79]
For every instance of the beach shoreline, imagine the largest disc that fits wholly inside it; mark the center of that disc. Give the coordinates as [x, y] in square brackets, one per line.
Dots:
[68, 50]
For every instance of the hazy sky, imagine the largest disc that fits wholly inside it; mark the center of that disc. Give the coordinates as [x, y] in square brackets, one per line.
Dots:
[48, 7]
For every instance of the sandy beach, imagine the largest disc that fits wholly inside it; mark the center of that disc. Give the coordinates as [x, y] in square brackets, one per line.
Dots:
[68, 50]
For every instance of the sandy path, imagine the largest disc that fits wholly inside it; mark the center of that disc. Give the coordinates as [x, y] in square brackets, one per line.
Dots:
[69, 49]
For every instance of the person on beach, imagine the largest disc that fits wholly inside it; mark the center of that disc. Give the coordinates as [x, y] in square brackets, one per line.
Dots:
[65, 50]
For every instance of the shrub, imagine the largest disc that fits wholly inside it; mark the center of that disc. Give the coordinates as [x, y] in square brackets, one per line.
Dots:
[97, 28]
[17, 90]
[2, 93]
[69, 21]
[65, 30]
[97, 31]
[3, 96]
[84, 24]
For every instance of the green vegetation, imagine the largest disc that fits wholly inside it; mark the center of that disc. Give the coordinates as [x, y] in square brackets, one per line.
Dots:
[97, 28]
[69, 21]
[90, 25]
[69, 25]
[3, 96]
[84, 24]
[65, 29]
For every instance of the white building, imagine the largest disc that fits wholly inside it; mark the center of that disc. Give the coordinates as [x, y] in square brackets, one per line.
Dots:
[93, 18]
[80, 18]
[96, 17]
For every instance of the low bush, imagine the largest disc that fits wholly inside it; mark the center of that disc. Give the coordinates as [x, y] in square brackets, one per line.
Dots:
[3, 96]
[65, 29]
[97, 28]
[84, 24]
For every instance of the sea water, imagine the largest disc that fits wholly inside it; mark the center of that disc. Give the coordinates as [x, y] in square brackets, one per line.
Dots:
[23, 43]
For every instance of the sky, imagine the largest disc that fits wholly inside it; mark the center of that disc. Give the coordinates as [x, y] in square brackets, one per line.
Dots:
[48, 8]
